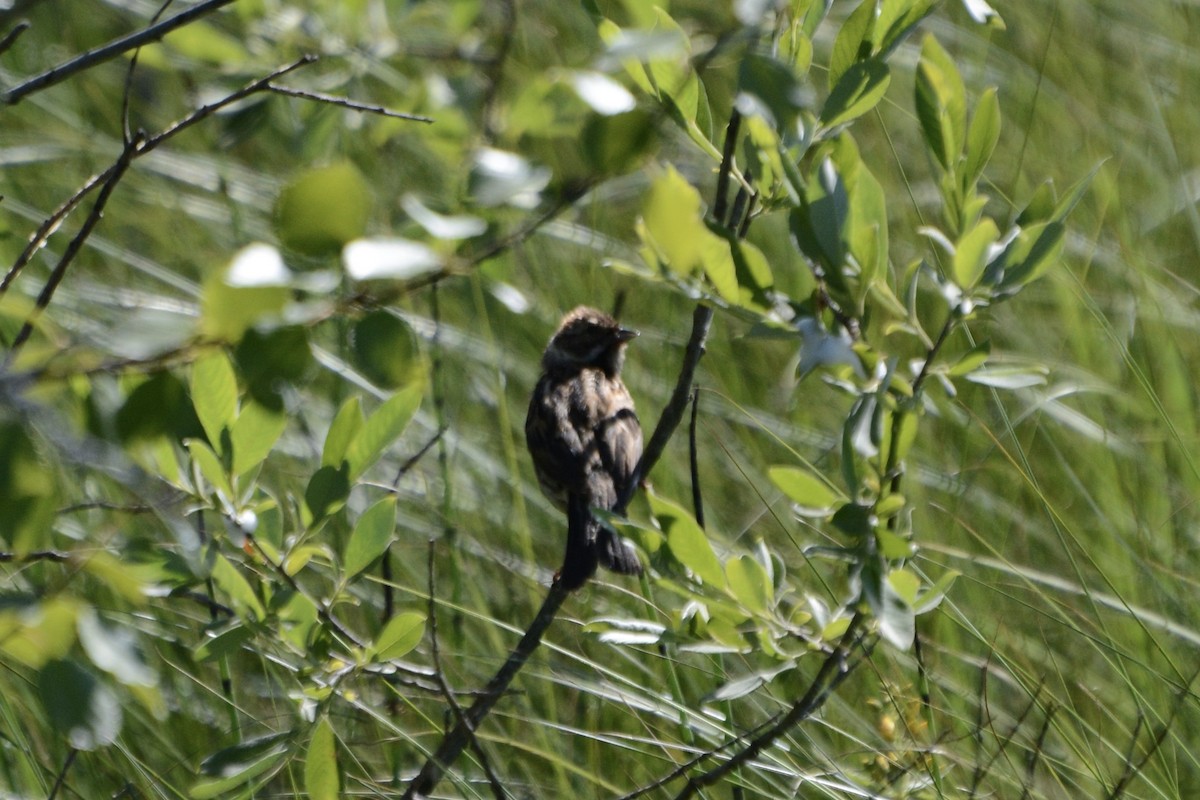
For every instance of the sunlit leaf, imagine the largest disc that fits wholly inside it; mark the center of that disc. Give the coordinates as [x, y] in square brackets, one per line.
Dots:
[803, 487]
[371, 537]
[687, 541]
[254, 434]
[237, 589]
[941, 103]
[749, 583]
[400, 635]
[322, 209]
[858, 91]
[982, 135]
[321, 779]
[345, 426]
[382, 428]
[388, 259]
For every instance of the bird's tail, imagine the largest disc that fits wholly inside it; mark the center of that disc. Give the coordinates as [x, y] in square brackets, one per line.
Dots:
[590, 543]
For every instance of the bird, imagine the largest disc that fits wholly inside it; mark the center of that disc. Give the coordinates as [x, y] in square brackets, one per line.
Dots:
[585, 440]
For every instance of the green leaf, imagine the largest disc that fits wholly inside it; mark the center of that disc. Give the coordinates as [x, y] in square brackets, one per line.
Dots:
[687, 541]
[941, 103]
[867, 231]
[381, 429]
[772, 89]
[227, 769]
[210, 467]
[896, 18]
[225, 643]
[401, 634]
[386, 351]
[34, 633]
[853, 42]
[28, 491]
[254, 434]
[345, 426]
[1009, 376]
[971, 253]
[227, 312]
[241, 597]
[371, 537]
[972, 359]
[803, 487]
[327, 490]
[321, 779]
[853, 520]
[933, 597]
[322, 209]
[749, 583]
[81, 708]
[1030, 254]
[157, 407]
[859, 90]
[672, 217]
[982, 136]
[214, 394]
[271, 359]
[897, 622]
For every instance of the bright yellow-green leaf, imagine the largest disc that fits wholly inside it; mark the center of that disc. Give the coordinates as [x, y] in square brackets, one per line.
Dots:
[673, 220]
[749, 583]
[34, 636]
[401, 634]
[254, 434]
[382, 428]
[214, 395]
[687, 541]
[320, 763]
[237, 589]
[803, 487]
[210, 466]
[342, 430]
[971, 253]
[371, 537]
[323, 209]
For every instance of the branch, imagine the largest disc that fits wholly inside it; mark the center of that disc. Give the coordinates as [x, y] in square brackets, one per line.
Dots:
[107, 180]
[321, 97]
[833, 671]
[447, 693]
[453, 743]
[108, 51]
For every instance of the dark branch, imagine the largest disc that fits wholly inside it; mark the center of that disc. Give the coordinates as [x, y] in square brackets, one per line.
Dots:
[320, 97]
[108, 51]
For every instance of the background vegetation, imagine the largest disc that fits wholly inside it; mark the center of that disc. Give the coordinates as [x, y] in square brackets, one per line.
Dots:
[305, 322]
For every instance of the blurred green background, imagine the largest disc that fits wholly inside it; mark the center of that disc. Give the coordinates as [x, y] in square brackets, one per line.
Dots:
[1063, 663]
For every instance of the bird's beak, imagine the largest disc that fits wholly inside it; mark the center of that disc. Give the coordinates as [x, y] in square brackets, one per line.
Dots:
[625, 334]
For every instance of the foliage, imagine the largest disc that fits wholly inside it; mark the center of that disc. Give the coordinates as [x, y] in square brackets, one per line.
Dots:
[267, 526]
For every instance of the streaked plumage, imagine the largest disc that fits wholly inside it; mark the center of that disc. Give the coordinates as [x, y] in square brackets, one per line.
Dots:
[585, 439]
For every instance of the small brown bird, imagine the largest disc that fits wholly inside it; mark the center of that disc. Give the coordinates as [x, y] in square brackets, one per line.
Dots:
[585, 439]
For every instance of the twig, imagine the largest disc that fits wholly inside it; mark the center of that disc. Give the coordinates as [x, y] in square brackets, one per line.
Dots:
[833, 671]
[52, 222]
[673, 414]
[10, 38]
[108, 51]
[721, 202]
[321, 97]
[36, 555]
[694, 461]
[453, 743]
[60, 269]
[62, 773]
[322, 610]
[447, 694]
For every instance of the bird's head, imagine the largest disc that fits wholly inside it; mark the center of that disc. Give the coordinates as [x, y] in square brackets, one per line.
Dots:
[587, 338]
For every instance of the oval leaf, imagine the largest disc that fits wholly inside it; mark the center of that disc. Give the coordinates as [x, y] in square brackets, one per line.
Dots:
[371, 536]
[402, 633]
[803, 488]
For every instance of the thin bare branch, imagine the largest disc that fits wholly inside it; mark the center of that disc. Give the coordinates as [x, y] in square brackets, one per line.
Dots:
[105, 52]
[10, 38]
[368, 108]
